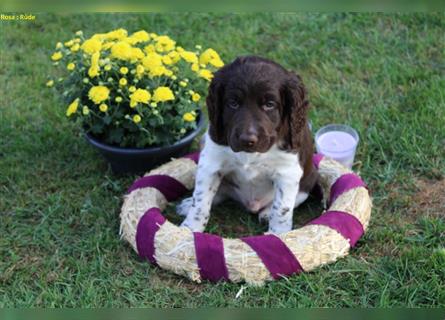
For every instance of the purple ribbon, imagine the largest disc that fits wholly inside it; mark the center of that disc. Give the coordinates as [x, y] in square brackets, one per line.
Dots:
[343, 184]
[316, 158]
[171, 188]
[209, 250]
[344, 223]
[193, 156]
[275, 255]
[272, 251]
[146, 230]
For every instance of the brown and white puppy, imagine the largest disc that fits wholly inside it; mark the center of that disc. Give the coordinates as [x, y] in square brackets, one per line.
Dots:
[258, 149]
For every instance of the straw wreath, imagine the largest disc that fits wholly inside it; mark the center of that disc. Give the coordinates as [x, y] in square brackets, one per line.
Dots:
[255, 259]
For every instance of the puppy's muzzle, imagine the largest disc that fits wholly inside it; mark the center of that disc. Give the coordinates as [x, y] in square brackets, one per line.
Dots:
[248, 140]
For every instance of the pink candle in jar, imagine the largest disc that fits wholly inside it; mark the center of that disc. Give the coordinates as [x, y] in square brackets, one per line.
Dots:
[338, 142]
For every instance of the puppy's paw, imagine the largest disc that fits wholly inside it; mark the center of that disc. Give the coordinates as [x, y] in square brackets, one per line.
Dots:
[264, 215]
[280, 228]
[183, 208]
[193, 225]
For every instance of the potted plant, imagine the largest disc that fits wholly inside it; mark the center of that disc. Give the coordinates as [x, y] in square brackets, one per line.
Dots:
[136, 97]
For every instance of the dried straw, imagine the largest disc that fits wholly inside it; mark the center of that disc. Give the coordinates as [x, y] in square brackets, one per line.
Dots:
[312, 245]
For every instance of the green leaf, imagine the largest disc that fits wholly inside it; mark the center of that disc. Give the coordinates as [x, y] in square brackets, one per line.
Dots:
[97, 128]
[107, 119]
[116, 135]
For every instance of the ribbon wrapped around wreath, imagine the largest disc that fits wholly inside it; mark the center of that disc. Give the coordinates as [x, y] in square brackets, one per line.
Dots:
[254, 259]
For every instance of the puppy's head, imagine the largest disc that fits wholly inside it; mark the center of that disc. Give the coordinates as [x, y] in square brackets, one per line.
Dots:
[254, 103]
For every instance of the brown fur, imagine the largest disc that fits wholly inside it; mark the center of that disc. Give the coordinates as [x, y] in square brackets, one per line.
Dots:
[252, 82]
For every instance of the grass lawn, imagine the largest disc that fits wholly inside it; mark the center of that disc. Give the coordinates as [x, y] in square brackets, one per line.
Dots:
[60, 202]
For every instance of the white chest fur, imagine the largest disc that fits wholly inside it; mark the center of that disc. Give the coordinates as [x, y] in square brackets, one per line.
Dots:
[253, 174]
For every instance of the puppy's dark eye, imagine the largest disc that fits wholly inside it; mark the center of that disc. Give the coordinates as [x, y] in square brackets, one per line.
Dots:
[233, 104]
[270, 105]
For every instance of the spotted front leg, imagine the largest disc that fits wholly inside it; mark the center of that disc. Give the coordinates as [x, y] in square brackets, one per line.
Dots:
[286, 190]
[207, 183]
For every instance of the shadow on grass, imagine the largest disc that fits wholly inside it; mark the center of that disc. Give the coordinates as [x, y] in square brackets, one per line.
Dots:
[231, 220]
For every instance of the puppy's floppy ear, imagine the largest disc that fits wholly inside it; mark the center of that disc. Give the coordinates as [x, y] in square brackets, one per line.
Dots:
[294, 109]
[215, 108]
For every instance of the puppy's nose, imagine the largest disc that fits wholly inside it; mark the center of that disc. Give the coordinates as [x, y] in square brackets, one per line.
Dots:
[248, 139]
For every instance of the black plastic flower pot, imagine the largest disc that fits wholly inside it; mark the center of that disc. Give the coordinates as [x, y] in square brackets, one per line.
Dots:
[135, 160]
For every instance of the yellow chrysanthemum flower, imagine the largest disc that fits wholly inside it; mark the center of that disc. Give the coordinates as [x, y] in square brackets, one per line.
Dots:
[95, 59]
[163, 94]
[206, 74]
[98, 94]
[72, 108]
[118, 99]
[164, 44]
[59, 45]
[70, 66]
[91, 46]
[136, 54]
[50, 83]
[103, 107]
[69, 43]
[57, 56]
[75, 47]
[152, 60]
[107, 45]
[137, 118]
[174, 56]
[93, 71]
[107, 67]
[123, 70]
[123, 82]
[149, 48]
[121, 50]
[195, 97]
[158, 71]
[188, 117]
[139, 36]
[132, 89]
[140, 95]
[117, 34]
[195, 67]
[167, 60]
[189, 56]
[133, 104]
[140, 69]
[212, 57]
